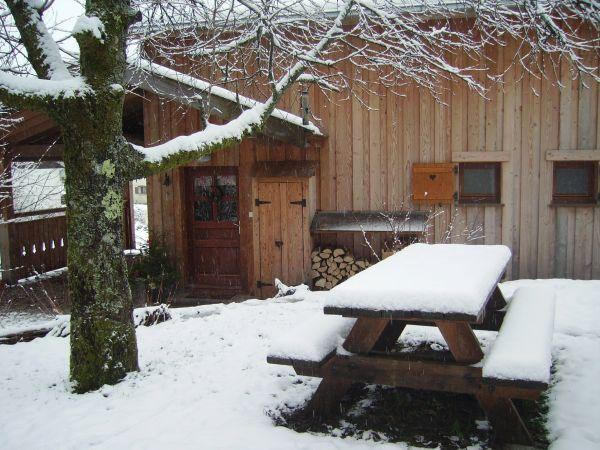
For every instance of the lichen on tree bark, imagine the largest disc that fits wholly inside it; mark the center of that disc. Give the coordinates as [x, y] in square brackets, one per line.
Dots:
[103, 344]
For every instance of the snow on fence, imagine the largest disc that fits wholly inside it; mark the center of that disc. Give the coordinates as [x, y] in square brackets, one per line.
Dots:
[33, 244]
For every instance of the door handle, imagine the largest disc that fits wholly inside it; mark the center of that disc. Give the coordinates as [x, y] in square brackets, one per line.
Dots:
[279, 244]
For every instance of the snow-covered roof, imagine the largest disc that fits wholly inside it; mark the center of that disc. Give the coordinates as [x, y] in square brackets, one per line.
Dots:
[145, 68]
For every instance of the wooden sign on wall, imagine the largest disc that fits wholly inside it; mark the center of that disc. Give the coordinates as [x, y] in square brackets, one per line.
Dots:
[433, 183]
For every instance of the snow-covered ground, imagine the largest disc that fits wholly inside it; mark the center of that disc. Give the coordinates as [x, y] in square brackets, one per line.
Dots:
[140, 217]
[204, 382]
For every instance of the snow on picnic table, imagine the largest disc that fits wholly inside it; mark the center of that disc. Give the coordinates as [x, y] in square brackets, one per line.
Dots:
[204, 382]
[522, 349]
[444, 278]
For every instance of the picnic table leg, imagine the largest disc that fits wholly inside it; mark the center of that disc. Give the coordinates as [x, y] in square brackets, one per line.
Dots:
[389, 337]
[366, 334]
[505, 419]
[326, 400]
[493, 316]
[501, 411]
[462, 341]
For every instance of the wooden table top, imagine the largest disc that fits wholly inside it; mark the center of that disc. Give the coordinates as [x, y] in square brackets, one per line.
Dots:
[424, 283]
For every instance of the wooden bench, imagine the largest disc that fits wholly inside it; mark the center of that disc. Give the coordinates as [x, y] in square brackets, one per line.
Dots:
[521, 354]
[311, 344]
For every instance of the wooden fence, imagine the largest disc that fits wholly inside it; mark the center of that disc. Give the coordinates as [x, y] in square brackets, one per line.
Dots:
[33, 244]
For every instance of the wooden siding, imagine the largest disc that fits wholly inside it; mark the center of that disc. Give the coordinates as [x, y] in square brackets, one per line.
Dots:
[365, 163]
[166, 199]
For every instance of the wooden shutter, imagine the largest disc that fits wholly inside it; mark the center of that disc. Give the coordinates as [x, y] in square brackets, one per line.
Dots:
[433, 183]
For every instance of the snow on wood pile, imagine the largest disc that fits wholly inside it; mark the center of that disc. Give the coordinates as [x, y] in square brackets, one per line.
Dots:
[312, 340]
[331, 266]
[443, 278]
[522, 350]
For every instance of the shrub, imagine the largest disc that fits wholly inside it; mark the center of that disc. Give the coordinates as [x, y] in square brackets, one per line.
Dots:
[153, 268]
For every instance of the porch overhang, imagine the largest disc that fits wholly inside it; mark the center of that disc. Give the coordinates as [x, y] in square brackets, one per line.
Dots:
[189, 91]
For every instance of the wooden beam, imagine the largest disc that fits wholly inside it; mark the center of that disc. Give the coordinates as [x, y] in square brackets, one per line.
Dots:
[43, 152]
[480, 156]
[423, 375]
[411, 316]
[493, 312]
[128, 217]
[366, 333]
[389, 337]
[6, 203]
[573, 155]
[32, 128]
[276, 169]
[6, 274]
[325, 402]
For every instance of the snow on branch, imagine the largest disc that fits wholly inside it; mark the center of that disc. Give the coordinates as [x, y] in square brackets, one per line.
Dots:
[309, 78]
[207, 140]
[42, 51]
[211, 90]
[32, 92]
[266, 47]
[89, 24]
[247, 123]
[558, 28]
[253, 44]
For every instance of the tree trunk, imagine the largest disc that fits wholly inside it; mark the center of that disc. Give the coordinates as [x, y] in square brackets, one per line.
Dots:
[103, 342]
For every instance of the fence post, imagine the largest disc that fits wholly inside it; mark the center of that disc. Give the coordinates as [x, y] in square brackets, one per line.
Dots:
[6, 274]
[6, 213]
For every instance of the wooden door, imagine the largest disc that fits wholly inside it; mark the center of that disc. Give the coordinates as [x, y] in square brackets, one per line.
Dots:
[281, 210]
[213, 224]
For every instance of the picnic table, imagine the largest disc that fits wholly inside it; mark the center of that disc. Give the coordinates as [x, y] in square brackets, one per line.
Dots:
[452, 287]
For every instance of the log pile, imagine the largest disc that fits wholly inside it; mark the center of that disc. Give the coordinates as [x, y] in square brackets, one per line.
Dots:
[331, 266]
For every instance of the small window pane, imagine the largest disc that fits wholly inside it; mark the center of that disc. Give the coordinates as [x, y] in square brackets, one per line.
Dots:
[573, 180]
[228, 211]
[203, 185]
[227, 184]
[479, 181]
[203, 211]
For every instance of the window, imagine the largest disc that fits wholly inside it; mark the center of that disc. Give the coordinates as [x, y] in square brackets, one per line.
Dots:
[37, 186]
[215, 198]
[479, 183]
[575, 182]
[140, 190]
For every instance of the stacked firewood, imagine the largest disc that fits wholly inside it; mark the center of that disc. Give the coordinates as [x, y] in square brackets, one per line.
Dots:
[331, 266]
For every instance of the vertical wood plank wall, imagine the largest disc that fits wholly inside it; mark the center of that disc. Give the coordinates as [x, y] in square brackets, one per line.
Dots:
[365, 163]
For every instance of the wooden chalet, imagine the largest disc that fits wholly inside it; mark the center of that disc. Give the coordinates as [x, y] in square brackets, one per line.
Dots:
[518, 168]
